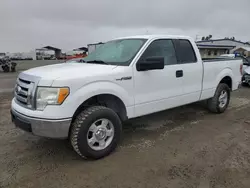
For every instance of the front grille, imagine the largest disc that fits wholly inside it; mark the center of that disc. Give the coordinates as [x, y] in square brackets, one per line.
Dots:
[23, 91]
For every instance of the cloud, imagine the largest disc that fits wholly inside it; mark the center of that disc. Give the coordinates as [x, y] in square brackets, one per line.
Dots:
[29, 24]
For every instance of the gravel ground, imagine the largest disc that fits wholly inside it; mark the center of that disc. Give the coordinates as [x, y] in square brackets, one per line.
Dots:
[183, 147]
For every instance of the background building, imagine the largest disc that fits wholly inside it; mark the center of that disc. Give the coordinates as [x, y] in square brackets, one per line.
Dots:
[245, 51]
[77, 53]
[213, 48]
[210, 51]
[48, 52]
[92, 47]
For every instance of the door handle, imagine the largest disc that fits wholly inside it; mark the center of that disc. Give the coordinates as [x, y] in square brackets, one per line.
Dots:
[179, 73]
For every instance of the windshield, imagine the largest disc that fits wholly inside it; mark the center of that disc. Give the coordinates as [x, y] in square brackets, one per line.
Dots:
[116, 52]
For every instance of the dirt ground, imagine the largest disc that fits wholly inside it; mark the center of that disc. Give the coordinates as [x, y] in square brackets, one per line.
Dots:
[184, 147]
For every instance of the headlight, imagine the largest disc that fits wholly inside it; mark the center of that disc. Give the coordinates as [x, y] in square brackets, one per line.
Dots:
[50, 96]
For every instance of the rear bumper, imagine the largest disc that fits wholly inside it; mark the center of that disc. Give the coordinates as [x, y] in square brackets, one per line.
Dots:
[42, 127]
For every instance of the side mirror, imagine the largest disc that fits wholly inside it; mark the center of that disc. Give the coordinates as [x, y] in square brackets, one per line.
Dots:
[151, 63]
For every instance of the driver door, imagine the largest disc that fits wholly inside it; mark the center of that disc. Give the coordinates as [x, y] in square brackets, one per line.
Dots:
[157, 90]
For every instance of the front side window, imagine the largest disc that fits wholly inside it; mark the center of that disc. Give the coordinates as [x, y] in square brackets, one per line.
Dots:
[116, 52]
[161, 48]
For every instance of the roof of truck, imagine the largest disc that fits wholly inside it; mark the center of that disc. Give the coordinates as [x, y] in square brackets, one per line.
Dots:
[156, 36]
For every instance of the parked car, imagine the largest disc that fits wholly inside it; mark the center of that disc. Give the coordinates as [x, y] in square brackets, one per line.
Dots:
[246, 67]
[246, 60]
[86, 101]
[246, 73]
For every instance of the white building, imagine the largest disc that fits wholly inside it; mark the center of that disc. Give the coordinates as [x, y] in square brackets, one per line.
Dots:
[22, 55]
[213, 48]
[243, 50]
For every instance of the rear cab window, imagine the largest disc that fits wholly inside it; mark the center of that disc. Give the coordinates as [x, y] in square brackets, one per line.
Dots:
[184, 51]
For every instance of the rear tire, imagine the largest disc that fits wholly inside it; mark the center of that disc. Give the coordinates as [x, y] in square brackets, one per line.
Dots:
[218, 104]
[96, 132]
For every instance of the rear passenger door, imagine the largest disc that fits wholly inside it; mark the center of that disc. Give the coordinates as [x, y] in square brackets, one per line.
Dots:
[192, 70]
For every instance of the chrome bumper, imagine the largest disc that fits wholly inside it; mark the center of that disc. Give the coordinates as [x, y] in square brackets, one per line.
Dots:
[42, 127]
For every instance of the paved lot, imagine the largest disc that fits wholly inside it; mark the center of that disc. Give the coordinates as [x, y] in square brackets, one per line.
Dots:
[23, 65]
[184, 147]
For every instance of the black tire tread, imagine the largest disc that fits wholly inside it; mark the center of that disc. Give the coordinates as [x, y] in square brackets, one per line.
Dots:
[77, 124]
[213, 102]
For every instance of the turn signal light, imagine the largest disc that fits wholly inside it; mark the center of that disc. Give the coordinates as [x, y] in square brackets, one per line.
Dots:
[62, 95]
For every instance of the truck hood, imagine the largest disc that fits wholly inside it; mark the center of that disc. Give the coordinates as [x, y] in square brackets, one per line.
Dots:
[52, 72]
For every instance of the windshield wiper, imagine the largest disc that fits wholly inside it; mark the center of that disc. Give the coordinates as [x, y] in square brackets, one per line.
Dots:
[81, 61]
[98, 62]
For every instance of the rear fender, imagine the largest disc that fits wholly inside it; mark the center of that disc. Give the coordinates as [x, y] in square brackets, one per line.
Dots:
[225, 72]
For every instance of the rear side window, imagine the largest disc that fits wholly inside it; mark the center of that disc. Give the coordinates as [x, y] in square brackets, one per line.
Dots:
[184, 51]
[161, 48]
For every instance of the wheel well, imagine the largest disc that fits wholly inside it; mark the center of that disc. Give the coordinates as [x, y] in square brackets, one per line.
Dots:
[227, 80]
[107, 100]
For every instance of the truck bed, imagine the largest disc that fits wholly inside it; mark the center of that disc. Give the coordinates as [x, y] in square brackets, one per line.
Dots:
[218, 59]
[215, 70]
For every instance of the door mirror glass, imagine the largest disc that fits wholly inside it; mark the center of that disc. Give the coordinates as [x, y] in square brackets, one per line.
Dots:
[150, 63]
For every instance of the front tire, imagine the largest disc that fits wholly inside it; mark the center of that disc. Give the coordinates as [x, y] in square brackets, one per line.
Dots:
[219, 103]
[96, 132]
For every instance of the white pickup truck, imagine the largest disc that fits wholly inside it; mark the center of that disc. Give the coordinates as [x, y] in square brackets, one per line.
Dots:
[87, 100]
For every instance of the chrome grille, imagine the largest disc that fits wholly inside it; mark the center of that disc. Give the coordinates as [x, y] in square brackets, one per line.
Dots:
[25, 90]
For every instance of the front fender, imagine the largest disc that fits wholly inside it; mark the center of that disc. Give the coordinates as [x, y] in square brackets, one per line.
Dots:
[97, 88]
[104, 87]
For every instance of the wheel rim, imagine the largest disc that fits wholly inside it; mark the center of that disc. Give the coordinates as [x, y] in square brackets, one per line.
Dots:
[223, 99]
[100, 134]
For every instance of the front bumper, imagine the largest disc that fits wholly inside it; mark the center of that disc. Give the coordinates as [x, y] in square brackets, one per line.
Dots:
[42, 127]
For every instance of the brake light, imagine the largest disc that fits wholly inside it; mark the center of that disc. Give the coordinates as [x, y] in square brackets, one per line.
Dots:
[241, 69]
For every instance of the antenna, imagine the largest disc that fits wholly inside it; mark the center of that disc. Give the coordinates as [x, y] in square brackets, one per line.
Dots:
[196, 38]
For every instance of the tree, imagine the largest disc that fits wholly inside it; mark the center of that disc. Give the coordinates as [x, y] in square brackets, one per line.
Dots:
[207, 37]
[231, 38]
